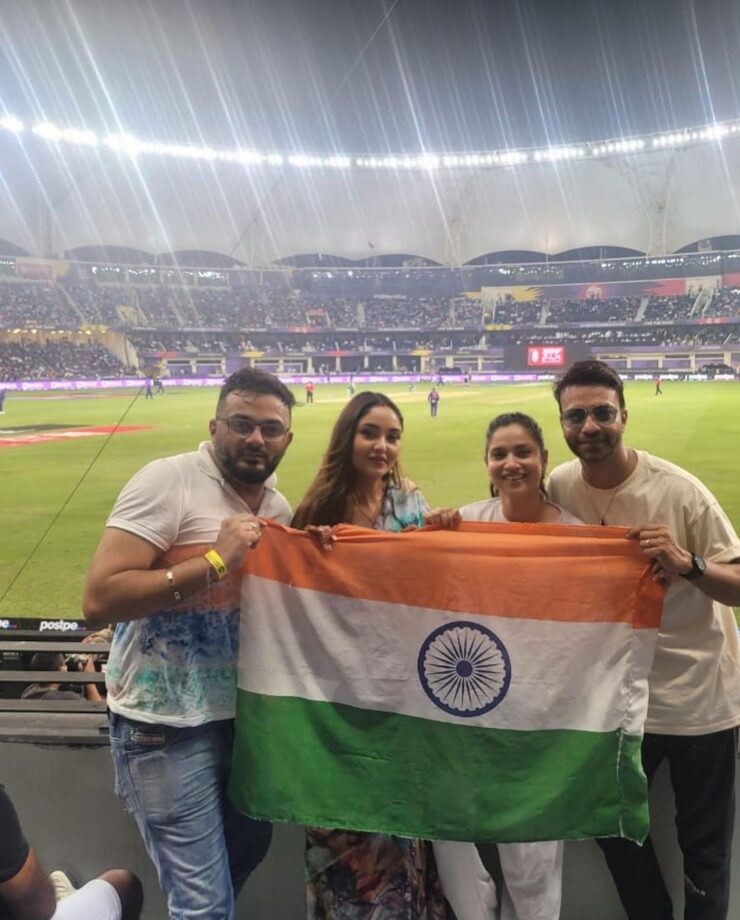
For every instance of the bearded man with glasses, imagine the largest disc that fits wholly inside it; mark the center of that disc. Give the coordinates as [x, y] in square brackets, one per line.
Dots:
[167, 572]
[694, 706]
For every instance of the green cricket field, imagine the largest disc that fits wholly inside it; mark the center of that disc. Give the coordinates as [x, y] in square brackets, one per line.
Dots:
[60, 477]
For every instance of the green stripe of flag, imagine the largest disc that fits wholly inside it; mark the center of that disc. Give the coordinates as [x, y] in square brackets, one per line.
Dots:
[329, 765]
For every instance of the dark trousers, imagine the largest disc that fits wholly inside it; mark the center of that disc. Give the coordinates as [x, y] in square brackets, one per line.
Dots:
[702, 769]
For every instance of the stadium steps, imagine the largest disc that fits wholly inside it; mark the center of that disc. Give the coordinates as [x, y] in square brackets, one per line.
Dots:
[702, 303]
[139, 307]
[75, 309]
[644, 301]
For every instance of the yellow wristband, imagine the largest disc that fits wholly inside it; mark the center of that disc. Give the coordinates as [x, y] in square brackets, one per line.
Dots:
[220, 567]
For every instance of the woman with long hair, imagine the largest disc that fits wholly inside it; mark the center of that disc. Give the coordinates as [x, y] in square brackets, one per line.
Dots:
[360, 479]
[516, 462]
[353, 875]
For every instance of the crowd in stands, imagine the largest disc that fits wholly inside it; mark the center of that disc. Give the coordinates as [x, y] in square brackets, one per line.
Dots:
[211, 322]
[467, 313]
[610, 310]
[725, 303]
[669, 308]
[690, 336]
[402, 313]
[24, 304]
[27, 360]
[72, 303]
[513, 313]
[159, 343]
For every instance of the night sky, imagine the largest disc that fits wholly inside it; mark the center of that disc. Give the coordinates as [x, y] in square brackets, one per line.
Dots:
[362, 76]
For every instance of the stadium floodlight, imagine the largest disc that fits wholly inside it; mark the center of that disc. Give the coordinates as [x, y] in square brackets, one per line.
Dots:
[245, 157]
[132, 146]
[123, 143]
[12, 124]
[179, 151]
[77, 136]
[48, 130]
[712, 132]
[427, 161]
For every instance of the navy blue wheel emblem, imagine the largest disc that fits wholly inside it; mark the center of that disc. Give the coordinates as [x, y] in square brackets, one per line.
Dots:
[464, 669]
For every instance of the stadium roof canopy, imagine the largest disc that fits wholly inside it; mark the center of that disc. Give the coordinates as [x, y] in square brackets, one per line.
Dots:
[55, 200]
[520, 96]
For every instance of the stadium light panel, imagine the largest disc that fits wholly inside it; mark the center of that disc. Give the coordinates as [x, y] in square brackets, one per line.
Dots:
[12, 124]
[48, 130]
[123, 143]
[132, 146]
[76, 136]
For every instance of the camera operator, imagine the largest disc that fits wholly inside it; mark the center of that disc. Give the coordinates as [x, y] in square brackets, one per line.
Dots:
[55, 661]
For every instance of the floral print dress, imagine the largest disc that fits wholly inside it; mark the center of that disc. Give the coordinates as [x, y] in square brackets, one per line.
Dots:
[352, 875]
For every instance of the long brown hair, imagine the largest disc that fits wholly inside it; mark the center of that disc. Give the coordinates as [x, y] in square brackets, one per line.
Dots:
[325, 501]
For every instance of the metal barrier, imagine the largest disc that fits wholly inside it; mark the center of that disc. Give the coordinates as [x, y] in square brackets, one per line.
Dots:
[75, 722]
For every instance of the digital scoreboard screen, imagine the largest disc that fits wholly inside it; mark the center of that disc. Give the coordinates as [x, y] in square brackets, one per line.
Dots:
[542, 357]
[545, 356]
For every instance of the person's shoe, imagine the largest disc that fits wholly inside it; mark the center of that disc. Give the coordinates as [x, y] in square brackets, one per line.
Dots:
[62, 884]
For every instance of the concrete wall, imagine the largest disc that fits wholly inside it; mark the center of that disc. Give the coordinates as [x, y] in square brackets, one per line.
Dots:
[70, 814]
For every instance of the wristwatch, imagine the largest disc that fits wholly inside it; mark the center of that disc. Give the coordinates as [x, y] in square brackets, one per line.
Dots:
[698, 568]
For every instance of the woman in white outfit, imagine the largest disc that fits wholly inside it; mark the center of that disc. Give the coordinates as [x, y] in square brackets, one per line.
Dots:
[516, 460]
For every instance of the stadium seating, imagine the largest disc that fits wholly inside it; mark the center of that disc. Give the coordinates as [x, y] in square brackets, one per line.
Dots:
[28, 360]
[324, 321]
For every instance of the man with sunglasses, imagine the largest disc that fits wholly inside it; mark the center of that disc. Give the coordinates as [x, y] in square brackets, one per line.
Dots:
[167, 573]
[694, 706]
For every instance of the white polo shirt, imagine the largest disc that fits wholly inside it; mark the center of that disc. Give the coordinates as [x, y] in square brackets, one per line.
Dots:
[178, 666]
[695, 680]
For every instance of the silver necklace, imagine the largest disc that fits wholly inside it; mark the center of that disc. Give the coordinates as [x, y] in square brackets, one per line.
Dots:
[602, 516]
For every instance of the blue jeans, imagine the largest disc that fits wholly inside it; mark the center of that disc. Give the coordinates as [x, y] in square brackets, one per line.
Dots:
[173, 782]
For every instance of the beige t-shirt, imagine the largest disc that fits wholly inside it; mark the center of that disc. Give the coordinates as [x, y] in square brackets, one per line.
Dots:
[695, 680]
[490, 510]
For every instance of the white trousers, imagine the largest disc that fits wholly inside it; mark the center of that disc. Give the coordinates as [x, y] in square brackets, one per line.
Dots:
[98, 900]
[532, 873]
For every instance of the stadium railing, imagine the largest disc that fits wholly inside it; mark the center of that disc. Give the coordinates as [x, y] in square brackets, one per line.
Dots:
[76, 722]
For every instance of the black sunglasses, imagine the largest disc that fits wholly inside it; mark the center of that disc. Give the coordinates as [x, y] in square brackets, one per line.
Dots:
[602, 415]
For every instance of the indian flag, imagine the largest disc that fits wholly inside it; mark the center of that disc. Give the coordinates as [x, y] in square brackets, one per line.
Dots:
[486, 684]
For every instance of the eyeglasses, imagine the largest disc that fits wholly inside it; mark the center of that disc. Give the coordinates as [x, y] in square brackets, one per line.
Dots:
[244, 426]
[602, 415]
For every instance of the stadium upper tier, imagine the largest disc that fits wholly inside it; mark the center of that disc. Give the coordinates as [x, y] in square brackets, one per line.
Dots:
[46, 328]
[73, 304]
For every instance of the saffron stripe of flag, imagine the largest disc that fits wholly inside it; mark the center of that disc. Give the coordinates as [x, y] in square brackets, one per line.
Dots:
[485, 684]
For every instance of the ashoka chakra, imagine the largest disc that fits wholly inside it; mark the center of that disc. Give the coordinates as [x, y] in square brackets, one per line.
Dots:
[464, 669]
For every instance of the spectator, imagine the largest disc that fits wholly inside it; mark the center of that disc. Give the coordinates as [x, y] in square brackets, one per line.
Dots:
[56, 662]
[167, 573]
[27, 894]
[694, 684]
